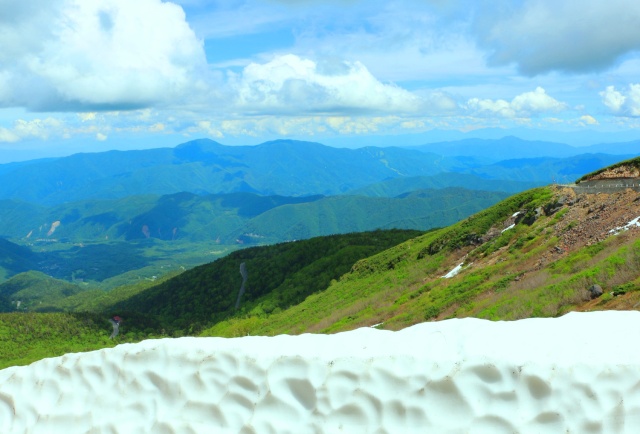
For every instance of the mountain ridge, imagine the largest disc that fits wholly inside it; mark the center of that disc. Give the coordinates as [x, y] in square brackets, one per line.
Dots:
[279, 167]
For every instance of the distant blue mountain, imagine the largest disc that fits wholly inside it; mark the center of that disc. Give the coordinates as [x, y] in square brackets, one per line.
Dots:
[282, 167]
[510, 148]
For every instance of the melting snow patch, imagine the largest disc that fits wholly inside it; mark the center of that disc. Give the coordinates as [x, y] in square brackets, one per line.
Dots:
[453, 272]
[632, 223]
[510, 227]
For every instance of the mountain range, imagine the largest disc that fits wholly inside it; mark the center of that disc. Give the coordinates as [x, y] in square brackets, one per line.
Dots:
[289, 168]
[94, 217]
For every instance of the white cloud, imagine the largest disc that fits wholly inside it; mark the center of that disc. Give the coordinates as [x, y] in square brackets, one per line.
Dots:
[208, 129]
[30, 129]
[289, 83]
[588, 120]
[524, 105]
[8, 136]
[101, 137]
[624, 103]
[97, 54]
[87, 116]
[38, 128]
[567, 35]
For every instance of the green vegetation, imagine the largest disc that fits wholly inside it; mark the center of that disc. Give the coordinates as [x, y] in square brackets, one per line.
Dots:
[280, 276]
[26, 337]
[34, 290]
[111, 242]
[513, 257]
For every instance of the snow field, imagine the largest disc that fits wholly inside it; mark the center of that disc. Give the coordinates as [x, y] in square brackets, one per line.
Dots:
[579, 373]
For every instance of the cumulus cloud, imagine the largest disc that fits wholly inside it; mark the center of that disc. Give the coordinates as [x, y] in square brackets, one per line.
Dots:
[89, 54]
[30, 129]
[588, 120]
[562, 35]
[625, 102]
[289, 83]
[522, 106]
[8, 136]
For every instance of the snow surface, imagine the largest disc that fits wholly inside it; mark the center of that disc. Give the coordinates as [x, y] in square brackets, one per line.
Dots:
[511, 226]
[579, 374]
[635, 222]
[454, 271]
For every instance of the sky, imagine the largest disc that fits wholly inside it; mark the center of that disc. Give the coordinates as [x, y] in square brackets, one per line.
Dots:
[91, 75]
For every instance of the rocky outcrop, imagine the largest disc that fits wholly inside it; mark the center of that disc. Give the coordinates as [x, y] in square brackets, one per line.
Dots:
[595, 291]
[626, 171]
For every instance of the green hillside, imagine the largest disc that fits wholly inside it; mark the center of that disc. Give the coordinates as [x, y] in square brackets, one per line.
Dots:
[538, 253]
[248, 217]
[279, 276]
[529, 270]
[142, 236]
[28, 291]
[421, 210]
[27, 337]
[15, 259]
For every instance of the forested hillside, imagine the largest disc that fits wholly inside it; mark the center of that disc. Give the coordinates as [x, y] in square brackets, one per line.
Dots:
[278, 277]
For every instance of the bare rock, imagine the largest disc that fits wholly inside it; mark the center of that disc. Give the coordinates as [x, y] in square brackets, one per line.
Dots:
[595, 291]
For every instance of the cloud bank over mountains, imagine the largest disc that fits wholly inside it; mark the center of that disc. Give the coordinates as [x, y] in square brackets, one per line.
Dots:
[255, 68]
[77, 55]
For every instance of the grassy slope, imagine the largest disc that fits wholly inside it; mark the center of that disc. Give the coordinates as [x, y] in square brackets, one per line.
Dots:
[510, 274]
[27, 337]
[279, 276]
[509, 277]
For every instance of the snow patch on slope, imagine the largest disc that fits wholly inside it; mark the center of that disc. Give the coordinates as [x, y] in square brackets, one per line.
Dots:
[633, 223]
[578, 373]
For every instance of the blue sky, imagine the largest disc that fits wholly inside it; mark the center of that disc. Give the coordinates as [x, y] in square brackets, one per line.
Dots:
[88, 75]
